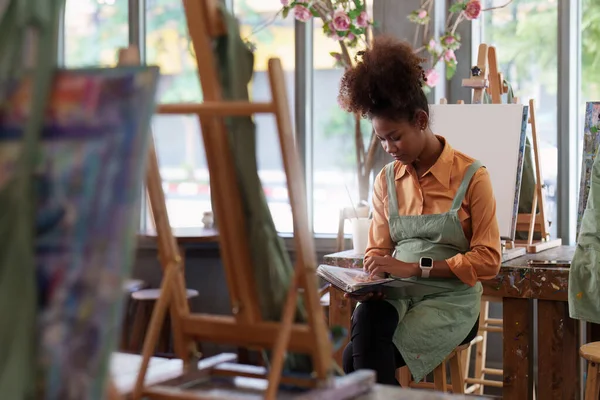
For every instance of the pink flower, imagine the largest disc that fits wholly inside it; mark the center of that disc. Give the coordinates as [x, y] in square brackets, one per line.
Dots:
[350, 36]
[332, 32]
[285, 3]
[432, 78]
[422, 14]
[432, 44]
[449, 56]
[362, 21]
[472, 9]
[302, 13]
[341, 21]
[449, 40]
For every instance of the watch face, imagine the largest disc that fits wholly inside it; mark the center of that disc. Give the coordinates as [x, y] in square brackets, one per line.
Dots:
[426, 262]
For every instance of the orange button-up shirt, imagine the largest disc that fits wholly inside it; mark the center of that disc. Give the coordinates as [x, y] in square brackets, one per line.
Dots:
[432, 193]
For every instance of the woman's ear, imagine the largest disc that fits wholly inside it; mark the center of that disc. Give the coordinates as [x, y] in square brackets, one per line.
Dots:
[422, 120]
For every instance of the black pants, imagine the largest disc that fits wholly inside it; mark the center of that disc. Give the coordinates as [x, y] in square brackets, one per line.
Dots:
[371, 346]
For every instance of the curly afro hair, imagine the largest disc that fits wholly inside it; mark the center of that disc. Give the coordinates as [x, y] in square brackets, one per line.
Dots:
[387, 82]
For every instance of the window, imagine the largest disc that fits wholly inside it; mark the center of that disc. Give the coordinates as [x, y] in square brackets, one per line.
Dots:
[525, 36]
[94, 32]
[270, 36]
[178, 139]
[590, 64]
[335, 182]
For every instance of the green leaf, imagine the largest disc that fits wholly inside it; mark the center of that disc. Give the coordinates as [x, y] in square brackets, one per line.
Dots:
[426, 89]
[285, 12]
[353, 14]
[594, 129]
[359, 4]
[314, 12]
[457, 7]
[450, 70]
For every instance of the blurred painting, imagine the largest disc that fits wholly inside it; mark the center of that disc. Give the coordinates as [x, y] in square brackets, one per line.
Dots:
[88, 184]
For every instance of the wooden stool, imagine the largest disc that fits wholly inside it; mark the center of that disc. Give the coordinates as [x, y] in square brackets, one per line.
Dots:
[143, 304]
[440, 382]
[591, 352]
[130, 286]
[478, 382]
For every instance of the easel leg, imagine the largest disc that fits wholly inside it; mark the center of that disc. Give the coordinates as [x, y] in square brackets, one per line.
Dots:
[282, 340]
[156, 322]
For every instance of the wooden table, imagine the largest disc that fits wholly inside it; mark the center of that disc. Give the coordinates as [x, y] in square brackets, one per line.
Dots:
[533, 280]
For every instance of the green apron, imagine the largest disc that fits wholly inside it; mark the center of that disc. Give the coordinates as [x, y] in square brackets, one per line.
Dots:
[431, 325]
[584, 274]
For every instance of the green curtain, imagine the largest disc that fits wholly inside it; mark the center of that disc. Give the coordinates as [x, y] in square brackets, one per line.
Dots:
[21, 21]
[273, 268]
[528, 178]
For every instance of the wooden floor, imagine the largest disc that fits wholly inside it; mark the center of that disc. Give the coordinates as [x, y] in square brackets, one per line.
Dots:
[124, 368]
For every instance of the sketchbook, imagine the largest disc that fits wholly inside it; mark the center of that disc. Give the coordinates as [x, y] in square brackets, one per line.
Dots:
[356, 281]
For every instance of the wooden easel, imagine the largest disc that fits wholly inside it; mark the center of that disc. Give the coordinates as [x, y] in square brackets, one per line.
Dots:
[533, 222]
[246, 327]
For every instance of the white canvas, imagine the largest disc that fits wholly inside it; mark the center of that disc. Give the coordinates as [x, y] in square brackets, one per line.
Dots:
[495, 135]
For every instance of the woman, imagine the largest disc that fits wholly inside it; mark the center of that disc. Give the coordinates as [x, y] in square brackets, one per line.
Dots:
[434, 219]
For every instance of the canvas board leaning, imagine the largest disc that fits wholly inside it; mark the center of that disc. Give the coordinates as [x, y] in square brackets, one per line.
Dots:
[495, 135]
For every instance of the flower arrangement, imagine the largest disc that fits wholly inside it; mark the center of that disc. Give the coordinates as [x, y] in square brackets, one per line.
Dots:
[345, 21]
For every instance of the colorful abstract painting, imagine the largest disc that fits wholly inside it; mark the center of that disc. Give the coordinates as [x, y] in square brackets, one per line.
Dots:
[93, 151]
[591, 142]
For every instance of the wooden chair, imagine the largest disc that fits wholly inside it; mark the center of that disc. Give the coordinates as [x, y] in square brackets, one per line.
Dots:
[440, 381]
[591, 353]
[477, 383]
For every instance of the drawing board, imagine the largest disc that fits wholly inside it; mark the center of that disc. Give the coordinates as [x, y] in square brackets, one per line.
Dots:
[495, 135]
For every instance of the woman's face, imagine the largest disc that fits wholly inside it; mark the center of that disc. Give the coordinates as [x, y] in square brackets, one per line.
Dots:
[402, 139]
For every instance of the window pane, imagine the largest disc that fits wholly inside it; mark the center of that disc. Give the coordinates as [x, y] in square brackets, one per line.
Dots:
[94, 32]
[525, 36]
[335, 182]
[590, 64]
[178, 140]
[271, 36]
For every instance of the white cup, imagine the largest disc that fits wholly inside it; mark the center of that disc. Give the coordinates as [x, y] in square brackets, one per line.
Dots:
[360, 234]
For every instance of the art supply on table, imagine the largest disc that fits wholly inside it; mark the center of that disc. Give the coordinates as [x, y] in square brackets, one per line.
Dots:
[360, 234]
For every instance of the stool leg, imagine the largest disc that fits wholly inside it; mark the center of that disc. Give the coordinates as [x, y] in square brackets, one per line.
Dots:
[456, 374]
[140, 324]
[480, 350]
[439, 378]
[404, 377]
[592, 385]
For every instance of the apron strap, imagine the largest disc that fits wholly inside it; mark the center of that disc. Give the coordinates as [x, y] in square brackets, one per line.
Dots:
[391, 189]
[462, 189]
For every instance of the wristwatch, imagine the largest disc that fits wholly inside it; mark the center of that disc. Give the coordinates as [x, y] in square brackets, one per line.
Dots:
[426, 265]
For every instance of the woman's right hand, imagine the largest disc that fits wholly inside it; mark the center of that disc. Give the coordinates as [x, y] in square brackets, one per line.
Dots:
[365, 297]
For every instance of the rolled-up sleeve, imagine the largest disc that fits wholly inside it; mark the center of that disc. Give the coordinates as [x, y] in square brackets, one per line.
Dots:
[380, 243]
[484, 257]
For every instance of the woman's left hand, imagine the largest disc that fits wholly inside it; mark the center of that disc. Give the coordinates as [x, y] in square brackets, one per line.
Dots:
[376, 265]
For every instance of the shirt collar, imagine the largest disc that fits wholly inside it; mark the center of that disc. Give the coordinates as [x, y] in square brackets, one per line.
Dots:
[441, 169]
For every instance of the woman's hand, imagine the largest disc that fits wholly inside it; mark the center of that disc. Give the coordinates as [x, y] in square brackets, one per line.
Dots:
[376, 265]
